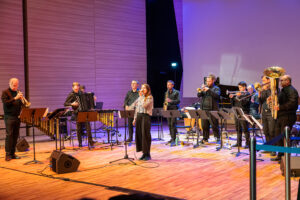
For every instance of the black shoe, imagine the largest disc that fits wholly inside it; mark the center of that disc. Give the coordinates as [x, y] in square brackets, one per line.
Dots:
[247, 146]
[142, 158]
[15, 157]
[273, 154]
[170, 142]
[147, 157]
[92, 143]
[277, 158]
[236, 145]
[8, 158]
[129, 140]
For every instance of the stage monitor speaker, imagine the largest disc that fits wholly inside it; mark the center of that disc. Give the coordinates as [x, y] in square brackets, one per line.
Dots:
[22, 145]
[63, 163]
[295, 166]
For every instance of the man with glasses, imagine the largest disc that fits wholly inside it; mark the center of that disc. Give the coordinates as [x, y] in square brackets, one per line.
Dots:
[288, 105]
[131, 96]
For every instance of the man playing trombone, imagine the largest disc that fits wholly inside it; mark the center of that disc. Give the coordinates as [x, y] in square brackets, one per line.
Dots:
[12, 100]
[210, 95]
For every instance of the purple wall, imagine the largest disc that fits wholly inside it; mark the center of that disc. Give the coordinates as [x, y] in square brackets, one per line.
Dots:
[99, 43]
[237, 40]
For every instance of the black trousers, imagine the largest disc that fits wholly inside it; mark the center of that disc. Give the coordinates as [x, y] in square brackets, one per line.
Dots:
[130, 128]
[79, 127]
[172, 127]
[283, 121]
[12, 125]
[214, 123]
[142, 133]
[268, 126]
[242, 126]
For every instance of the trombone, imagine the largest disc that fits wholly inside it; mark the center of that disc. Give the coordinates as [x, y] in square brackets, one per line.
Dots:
[235, 92]
[24, 101]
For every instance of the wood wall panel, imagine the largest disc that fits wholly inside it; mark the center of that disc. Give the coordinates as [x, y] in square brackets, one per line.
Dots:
[120, 44]
[11, 44]
[99, 43]
[61, 49]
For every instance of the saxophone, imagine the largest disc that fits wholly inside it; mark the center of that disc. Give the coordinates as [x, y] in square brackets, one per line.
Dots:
[166, 101]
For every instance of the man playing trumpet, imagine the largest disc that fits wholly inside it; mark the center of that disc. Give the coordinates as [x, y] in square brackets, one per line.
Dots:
[210, 95]
[12, 105]
[242, 100]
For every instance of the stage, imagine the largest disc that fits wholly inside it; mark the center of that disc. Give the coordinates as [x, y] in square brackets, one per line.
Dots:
[178, 172]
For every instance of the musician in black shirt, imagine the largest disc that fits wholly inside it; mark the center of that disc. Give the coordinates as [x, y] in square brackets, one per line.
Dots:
[131, 96]
[172, 100]
[266, 115]
[73, 100]
[288, 105]
[210, 96]
[12, 104]
[241, 99]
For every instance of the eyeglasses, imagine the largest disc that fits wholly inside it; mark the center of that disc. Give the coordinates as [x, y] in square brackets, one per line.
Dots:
[283, 80]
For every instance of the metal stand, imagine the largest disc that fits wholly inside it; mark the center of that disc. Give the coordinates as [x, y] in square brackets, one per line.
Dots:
[35, 113]
[125, 114]
[238, 112]
[222, 116]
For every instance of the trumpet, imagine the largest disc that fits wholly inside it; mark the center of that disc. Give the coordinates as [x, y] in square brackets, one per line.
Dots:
[201, 89]
[259, 87]
[24, 101]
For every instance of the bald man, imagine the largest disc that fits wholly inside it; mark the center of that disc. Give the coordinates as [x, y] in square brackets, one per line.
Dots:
[12, 105]
[288, 105]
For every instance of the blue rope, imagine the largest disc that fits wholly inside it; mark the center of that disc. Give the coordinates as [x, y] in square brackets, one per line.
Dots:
[278, 149]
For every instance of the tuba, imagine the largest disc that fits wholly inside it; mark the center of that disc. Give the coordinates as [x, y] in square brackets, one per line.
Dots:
[274, 73]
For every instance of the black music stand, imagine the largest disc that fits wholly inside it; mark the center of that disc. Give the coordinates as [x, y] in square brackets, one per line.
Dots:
[197, 115]
[171, 114]
[56, 114]
[239, 114]
[125, 114]
[87, 117]
[254, 122]
[35, 114]
[222, 116]
[156, 112]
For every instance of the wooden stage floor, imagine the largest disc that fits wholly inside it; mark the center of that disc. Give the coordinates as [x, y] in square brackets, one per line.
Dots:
[180, 172]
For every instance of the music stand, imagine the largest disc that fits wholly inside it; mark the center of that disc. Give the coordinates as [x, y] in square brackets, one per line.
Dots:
[125, 114]
[253, 123]
[240, 116]
[156, 112]
[87, 117]
[222, 116]
[170, 114]
[56, 114]
[34, 114]
[194, 114]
